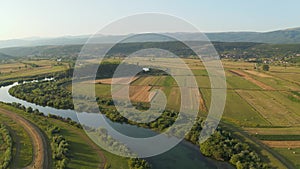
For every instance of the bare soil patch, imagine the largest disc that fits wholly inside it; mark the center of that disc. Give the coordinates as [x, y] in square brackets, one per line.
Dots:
[136, 93]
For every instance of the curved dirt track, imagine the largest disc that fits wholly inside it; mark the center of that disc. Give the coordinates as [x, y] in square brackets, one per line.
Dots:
[41, 153]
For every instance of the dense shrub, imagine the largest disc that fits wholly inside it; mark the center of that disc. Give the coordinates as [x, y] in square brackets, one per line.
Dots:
[222, 146]
[45, 93]
[136, 163]
[60, 151]
[7, 146]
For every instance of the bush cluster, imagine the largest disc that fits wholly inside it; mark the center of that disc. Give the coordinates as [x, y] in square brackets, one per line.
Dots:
[46, 93]
[6, 146]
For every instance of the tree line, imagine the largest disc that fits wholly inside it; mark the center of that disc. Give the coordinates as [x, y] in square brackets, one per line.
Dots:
[6, 145]
[60, 148]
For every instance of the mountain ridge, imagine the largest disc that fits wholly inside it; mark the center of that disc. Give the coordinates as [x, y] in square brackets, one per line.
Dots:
[285, 36]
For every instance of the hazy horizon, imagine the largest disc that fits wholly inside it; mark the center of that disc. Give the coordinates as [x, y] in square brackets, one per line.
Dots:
[83, 35]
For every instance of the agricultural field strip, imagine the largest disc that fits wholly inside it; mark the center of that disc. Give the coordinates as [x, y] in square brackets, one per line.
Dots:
[263, 108]
[289, 154]
[140, 90]
[290, 77]
[44, 66]
[41, 157]
[284, 98]
[282, 144]
[271, 110]
[7, 68]
[284, 138]
[248, 117]
[256, 73]
[272, 131]
[116, 80]
[280, 77]
[249, 78]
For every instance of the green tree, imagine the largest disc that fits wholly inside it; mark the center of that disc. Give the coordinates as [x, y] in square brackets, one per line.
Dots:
[266, 67]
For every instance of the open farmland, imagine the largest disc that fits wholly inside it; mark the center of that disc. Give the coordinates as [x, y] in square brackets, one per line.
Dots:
[12, 67]
[282, 144]
[292, 155]
[149, 80]
[273, 111]
[256, 73]
[140, 93]
[278, 131]
[260, 102]
[123, 80]
[286, 73]
[30, 68]
[251, 101]
[250, 79]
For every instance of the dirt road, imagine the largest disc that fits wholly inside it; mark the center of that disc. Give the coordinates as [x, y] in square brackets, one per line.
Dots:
[41, 153]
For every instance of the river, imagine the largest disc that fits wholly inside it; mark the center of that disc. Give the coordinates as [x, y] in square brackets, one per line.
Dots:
[184, 155]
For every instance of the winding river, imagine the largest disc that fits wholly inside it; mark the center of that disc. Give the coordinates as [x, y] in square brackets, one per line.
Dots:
[184, 155]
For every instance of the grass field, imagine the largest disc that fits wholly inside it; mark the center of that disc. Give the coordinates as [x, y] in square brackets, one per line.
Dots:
[289, 100]
[290, 155]
[12, 67]
[83, 153]
[283, 144]
[280, 83]
[238, 111]
[41, 67]
[227, 64]
[273, 111]
[236, 82]
[286, 73]
[147, 81]
[22, 146]
[276, 137]
[278, 131]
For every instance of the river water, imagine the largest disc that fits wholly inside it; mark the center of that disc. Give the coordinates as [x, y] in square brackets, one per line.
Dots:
[182, 156]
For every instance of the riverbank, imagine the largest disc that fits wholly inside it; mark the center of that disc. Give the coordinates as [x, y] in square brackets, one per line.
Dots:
[6, 97]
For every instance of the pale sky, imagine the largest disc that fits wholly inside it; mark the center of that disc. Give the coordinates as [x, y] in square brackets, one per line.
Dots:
[52, 18]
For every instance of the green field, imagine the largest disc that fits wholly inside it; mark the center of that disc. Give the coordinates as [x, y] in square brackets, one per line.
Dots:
[247, 103]
[22, 146]
[43, 67]
[83, 152]
[290, 155]
[239, 112]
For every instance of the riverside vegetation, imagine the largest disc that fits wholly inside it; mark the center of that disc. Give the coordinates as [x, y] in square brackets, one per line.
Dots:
[5, 147]
[221, 146]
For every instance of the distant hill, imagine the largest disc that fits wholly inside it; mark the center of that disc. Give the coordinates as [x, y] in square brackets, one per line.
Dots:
[238, 49]
[287, 36]
[72, 51]
[5, 56]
